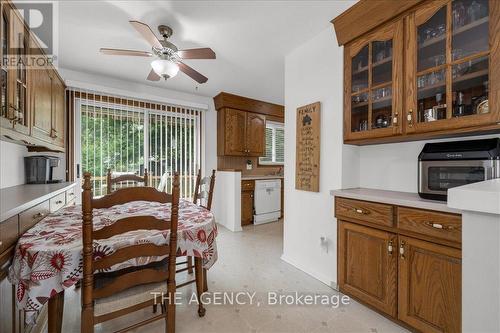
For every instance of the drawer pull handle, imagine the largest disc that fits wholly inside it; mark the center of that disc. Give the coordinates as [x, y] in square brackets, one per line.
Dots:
[390, 248]
[71, 194]
[58, 202]
[361, 211]
[38, 215]
[402, 250]
[439, 226]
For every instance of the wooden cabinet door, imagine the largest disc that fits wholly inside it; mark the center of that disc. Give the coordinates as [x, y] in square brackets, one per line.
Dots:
[430, 286]
[234, 132]
[7, 309]
[452, 65]
[246, 207]
[367, 265]
[373, 89]
[42, 105]
[58, 111]
[255, 134]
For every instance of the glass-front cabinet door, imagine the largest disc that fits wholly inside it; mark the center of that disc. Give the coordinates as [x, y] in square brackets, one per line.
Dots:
[373, 89]
[449, 62]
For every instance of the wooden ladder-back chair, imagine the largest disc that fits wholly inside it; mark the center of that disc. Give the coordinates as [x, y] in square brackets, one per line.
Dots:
[130, 177]
[106, 296]
[203, 190]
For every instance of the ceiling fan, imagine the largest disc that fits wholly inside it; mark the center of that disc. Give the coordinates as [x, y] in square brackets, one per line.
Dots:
[169, 58]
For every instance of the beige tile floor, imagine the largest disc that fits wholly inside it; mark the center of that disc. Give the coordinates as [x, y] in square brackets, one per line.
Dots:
[250, 261]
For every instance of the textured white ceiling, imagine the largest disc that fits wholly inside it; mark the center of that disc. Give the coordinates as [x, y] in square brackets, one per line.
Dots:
[250, 38]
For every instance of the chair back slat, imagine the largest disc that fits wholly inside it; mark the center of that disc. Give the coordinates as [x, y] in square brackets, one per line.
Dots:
[129, 280]
[131, 223]
[198, 193]
[130, 252]
[110, 180]
[124, 195]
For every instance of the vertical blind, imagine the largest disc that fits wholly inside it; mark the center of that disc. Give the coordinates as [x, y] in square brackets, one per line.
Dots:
[275, 144]
[131, 136]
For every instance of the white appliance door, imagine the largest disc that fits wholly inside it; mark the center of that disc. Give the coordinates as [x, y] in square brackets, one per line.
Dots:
[267, 196]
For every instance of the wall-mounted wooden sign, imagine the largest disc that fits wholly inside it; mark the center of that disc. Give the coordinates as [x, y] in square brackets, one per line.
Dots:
[308, 142]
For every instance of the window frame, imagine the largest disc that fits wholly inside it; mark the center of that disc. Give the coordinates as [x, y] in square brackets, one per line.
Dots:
[273, 125]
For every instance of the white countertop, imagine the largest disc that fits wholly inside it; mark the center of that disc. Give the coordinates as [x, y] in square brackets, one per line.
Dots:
[481, 197]
[394, 198]
[16, 199]
[260, 177]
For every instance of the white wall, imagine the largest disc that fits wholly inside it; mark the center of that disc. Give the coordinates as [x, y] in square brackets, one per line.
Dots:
[394, 166]
[12, 164]
[314, 72]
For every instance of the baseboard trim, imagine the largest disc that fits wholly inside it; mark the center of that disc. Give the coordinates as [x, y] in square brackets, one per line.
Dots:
[320, 277]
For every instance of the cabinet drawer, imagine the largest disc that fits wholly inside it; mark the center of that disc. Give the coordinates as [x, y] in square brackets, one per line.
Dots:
[9, 231]
[70, 195]
[370, 212]
[57, 202]
[247, 185]
[32, 216]
[433, 224]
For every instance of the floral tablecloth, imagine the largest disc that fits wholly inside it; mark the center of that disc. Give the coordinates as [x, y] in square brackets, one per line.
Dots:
[48, 257]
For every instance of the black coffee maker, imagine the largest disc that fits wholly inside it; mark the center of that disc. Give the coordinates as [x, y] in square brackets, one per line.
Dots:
[40, 169]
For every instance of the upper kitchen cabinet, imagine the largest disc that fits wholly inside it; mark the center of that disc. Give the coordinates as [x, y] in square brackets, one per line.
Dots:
[452, 57]
[14, 89]
[241, 133]
[241, 124]
[450, 81]
[373, 85]
[32, 97]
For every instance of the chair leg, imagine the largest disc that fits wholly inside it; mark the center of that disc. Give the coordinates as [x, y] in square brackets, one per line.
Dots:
[205, 283]
[155, 308]
[170, 308]
[87, 321]
[190, 264]
[199, 284]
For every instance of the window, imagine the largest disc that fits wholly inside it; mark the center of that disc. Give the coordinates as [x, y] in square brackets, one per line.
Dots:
[275, 144]
[131, 136]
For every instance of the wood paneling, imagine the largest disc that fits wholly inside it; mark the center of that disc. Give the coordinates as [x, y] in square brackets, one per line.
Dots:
[355, 22]
[367, 265]
[371, 212]
[433, 224]
[226, 100]
[430, 286]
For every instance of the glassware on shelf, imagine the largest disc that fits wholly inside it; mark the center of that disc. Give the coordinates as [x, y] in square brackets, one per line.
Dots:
[474, 11]
[459, 15]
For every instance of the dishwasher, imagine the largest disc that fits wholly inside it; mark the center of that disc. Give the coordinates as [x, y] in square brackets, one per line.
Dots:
[267, 201]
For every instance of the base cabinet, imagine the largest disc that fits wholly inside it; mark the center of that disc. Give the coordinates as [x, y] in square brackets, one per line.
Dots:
[430, 286]
[368, 265]
[414, 276]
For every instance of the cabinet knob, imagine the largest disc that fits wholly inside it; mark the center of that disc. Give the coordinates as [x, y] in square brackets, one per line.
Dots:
[38, 215]
[58, 202]
[390, 248]
[1, 243]
[409, 117]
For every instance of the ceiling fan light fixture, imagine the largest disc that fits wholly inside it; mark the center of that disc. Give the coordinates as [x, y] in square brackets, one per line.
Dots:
[165, 68]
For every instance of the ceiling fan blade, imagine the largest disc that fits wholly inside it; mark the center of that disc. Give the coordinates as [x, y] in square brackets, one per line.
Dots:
[146, 33]
[153, 76]
[203, 53]
[125, 52]
[195, 75]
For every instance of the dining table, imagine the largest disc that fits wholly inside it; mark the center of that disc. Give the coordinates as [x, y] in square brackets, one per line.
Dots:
[48, 257]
